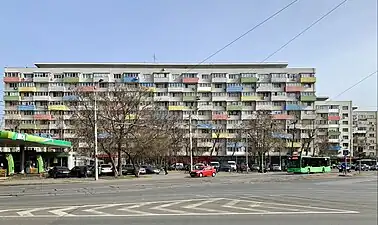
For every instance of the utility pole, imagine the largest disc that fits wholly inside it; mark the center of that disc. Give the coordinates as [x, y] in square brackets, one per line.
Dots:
[246, 154]
[191, 141]
[95, 130]
[293, 138]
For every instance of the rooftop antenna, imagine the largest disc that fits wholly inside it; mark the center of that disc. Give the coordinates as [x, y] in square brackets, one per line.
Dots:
[154, 57]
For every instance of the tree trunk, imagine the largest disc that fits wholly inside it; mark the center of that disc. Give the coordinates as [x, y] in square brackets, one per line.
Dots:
[119, 161]
[113, 163]
[136, 170]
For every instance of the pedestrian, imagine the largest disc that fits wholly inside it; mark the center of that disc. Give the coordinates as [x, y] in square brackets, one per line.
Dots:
[165, 169]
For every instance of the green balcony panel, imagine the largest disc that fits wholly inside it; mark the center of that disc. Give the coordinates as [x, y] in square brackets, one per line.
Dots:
[333, 133]
[71, 80]
[189, 98]
[310, 98]
[234, 107]
[248, 80]
[11, 98]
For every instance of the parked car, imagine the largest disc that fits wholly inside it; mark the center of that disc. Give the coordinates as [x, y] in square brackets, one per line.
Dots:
[82, 171]
[105, 169]
[151, 170]
[276, 167]
[225, 168]
[142, 171]
[59, 171]
[364, 167]
[203, 171]
[255, 167]
[232, 165]
[216, 165]
[129, 169]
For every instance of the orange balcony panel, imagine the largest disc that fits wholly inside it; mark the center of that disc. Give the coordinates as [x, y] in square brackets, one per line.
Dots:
[220, 117]
[293, 88]
[190, 80]
[43, 117]
[283, 117]
[333, 117]
[87, 89]
[11, 79]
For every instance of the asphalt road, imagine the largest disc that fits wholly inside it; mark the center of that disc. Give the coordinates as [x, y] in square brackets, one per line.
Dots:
[246, 199]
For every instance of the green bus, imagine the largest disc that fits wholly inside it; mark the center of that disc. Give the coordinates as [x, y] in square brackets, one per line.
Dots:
[308, 164]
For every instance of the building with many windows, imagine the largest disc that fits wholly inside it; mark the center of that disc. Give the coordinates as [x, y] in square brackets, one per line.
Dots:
[221, 96]
[334, 124]
[365, 133]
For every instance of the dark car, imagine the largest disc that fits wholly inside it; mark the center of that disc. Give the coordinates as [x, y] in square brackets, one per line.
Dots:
[129, 169]
[225, 168]
[59, 171]
[151, 169]
[82, 171]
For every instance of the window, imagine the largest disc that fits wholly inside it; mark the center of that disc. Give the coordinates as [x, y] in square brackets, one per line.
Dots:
[205, 76]
[117, 76]
[345, 107]
[345, 129]
[345, 137]
[345, 122]
[371, 135]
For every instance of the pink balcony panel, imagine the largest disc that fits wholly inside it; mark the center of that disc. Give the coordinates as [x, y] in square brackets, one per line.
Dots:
[11, 79]
[293, 88]
[42, 117]
[282, 117]
[220, 117]
[190, 80]
[87, 88]
[333, 117]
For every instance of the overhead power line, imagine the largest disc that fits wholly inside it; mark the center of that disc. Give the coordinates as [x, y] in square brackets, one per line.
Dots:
[305, 30]
[244, 34]
[355, 84]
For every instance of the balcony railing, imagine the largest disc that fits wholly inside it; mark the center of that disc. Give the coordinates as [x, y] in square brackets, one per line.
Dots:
[293, 88]
[248, 80]
[308, 79]
[219, 117]
[71, 80]
[42, 117]
[27, 89]
[58, 107]
[233, 89]
[11, 79]
[26, 107]
[190, 80]
[12, 98]
[234, 107]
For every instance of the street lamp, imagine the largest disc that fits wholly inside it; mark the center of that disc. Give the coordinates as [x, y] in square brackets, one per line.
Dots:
[95, 130]
[191, 134]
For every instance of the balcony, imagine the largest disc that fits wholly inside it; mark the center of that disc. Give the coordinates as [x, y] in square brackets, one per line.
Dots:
[219, 98]
[234, 125]
[334, 147]
[280, 98]
[205, 107]
[27, 89]
[333, 133]
[130, 79]
[234, 107]
[56, 88]
[189, 98]
[12, 98]
[70, 98]
[334, 118]
[333, 125]
[27, 126]
[219, 80]
[251, 98]
[246, 116]
[336, 140]
[87, 89]
[308, 98]
[58, 107]
[293, 107]
[190, 80]
[219, 135]
[41, 79]
[175, 89]
[42, 117]
[264, 107]
[234, 89]
[176, 107]
[71, 80]
[26, 107]
[308, 79]
[149, 89]
[219, 117]
[306, 116]
[204, 144]
[264, 88]
[282, 117]
[204, 126]
[248, 80]
[161, 79]
[295, 144]
[164, 98]
[41, 98]
[11, 79]
[204, 89]
[278, 79]
[294, 88]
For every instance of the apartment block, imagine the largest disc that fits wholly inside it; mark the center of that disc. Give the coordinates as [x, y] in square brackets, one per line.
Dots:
[219, 95]
[334, 123]
[365, 133]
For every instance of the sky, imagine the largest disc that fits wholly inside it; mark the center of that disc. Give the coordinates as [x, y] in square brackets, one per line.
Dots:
[342, 47]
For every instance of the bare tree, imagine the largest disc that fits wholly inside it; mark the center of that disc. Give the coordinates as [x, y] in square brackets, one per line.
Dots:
[260, 131]
[322, 145]
[311, 136]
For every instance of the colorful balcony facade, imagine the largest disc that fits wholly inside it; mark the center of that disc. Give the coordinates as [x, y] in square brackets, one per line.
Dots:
[219, 135]
[12, 98]
[204, 89]
[282, 136]
[334, 133]
[294, 145]
[308, 98]
[26, 108]
[282, 117]
[11, 79]
[219, 117]
[130, 79]
[205, 126]
[87, 89]
[176, 107]
[70, 98]
[294, 88]
[190, 80]
[58, 107]
[234, 107]
[293, 107]
[71, 80]
[27, 89]
[334, 147]
[42, 117]
[189, 98]
[308, 79]
[333, 118]
[251, 98]
[248, 80]
[233, 89]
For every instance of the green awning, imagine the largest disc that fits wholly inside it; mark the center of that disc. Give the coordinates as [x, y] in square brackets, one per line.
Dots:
[14, 139]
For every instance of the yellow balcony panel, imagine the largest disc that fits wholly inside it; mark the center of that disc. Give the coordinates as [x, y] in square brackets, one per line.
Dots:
[219, 135]
[176, 107]
[71, 80]
[251, 98]
[27, 126]
[308, 79]
[296, 144]
[131, 117]
[149, 89]
[27, 89]
[58, 107]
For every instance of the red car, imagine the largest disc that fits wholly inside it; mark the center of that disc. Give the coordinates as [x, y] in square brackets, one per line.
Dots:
[203, 171]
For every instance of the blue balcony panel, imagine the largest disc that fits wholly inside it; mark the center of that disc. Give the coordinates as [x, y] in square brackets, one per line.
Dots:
[70, 98]
[293, 107]
[130, 79]
[26, 107]
[205, 126]
[334, 147]
[232, 89]
[103, 135]
[235, 144]
[282, 136]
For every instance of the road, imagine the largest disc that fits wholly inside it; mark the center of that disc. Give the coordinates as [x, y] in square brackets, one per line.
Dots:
[265, 200]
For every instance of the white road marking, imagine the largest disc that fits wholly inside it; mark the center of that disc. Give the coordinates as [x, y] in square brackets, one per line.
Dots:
[130, 208]
[29, 212]
[94, 210]
[163, 207]
[232, 204]
[61, 212]
[192, 206]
